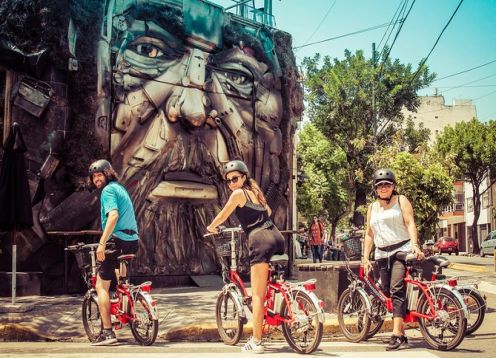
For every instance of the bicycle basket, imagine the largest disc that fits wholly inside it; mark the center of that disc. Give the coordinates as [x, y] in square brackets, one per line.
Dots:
[82, 259]
[223, 249]
[353, 247]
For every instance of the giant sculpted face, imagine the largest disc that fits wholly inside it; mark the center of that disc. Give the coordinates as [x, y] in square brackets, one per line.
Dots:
[186, 97]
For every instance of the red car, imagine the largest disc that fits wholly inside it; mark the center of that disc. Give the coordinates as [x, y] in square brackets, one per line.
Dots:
[446, 244]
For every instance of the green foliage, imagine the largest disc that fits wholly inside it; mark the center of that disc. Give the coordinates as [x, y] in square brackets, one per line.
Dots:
[324, 190]
[424, 181]
[471, 150]
[339, 97]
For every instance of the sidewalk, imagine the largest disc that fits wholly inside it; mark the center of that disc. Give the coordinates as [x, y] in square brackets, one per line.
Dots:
[185, 314]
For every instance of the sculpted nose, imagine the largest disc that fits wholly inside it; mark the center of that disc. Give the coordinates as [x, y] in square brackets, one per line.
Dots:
[192, 107]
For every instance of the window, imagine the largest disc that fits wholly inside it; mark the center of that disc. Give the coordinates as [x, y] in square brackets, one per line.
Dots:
[470, 206]
[485, 200]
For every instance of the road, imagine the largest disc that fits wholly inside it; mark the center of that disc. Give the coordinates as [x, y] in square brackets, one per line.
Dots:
[481, 343]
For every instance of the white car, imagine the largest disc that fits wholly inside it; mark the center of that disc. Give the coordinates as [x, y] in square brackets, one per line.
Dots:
[488, 245]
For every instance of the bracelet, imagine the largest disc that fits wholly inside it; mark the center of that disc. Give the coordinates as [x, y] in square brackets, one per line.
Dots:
[101, 244]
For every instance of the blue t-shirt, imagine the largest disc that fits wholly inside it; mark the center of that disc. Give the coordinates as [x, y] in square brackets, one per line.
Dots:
[115, 197]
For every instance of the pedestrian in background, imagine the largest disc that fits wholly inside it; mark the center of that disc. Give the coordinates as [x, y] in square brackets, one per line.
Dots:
[316, 239]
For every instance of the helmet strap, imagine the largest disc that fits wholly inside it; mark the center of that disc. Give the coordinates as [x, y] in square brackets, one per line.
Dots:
[387, 200]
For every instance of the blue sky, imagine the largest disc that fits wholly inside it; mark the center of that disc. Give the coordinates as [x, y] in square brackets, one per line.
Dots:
[469, 40]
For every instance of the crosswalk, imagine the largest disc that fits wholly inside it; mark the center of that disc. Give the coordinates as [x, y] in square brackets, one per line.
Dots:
[199, 350]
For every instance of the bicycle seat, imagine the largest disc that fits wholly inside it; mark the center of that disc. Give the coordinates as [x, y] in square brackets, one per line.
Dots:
[279, 259]
[438, 261]
[128, 257]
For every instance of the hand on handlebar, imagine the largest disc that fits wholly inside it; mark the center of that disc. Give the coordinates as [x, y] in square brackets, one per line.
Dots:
[367, 266]
[418, 252]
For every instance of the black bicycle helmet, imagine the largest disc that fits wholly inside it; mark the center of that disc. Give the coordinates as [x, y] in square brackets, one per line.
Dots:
[235, 166]
[99, 166]
[384, 175]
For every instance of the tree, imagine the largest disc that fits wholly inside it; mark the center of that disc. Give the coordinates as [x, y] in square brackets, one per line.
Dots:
[324, 190]
[339, 97]
[471, 146]
[423, 180]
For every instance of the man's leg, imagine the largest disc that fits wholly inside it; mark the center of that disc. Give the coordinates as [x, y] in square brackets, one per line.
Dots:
[102, 290]
[107, 336]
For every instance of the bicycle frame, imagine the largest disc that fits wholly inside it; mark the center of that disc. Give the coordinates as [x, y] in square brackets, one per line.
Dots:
[126, 292]
[235, 283]
[363, 283]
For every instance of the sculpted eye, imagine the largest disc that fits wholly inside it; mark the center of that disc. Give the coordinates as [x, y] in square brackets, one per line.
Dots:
[148, 50]
[236, 78]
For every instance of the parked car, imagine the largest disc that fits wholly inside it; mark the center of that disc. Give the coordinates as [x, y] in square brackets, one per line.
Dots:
[446, 244]
[487, 246]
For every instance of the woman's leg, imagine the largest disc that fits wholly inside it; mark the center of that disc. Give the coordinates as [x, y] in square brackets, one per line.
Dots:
[259, 274]
[315, 252]
[398, 295]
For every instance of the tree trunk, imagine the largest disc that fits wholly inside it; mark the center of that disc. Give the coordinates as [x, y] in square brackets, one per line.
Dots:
[360, 199]
[476, 204]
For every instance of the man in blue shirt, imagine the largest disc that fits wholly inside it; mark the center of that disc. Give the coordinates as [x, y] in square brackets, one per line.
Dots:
[118, 223]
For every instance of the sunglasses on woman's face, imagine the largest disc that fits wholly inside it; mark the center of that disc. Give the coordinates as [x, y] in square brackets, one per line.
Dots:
[384, 185]
[233, 180]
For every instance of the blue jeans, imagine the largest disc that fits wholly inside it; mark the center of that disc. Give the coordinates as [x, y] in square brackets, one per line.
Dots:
[316, 253]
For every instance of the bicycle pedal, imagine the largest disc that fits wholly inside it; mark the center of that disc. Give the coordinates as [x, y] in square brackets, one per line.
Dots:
[117, 325]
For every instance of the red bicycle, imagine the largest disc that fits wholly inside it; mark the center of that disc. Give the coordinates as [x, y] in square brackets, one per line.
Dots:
[438, 307]
[294, 306]
[133, 305]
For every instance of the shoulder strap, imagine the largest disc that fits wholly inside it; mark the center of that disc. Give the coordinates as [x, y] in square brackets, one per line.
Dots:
[247, 196]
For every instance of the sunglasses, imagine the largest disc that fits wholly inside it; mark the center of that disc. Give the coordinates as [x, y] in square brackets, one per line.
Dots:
[384, 185]
[233, 180]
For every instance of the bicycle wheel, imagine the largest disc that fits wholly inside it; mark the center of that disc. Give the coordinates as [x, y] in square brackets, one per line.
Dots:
[144, 327]
[91, 317]
[353, 318]
[447, 329]
[229, 322]
[304, 332]
[376, 318]
[476, 306]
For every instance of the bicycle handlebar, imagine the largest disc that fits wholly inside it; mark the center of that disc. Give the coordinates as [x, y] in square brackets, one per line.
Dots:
[81, 246]
[223, 229]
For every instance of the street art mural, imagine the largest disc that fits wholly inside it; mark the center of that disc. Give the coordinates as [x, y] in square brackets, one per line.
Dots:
[170, 91]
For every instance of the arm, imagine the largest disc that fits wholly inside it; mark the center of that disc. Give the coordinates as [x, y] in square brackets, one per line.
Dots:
[236, 199]
[112, 218]
[407, 212]
[369, 240]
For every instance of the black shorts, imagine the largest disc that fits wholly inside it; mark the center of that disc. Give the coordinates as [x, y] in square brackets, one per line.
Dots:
[263, 243]
[122, 247]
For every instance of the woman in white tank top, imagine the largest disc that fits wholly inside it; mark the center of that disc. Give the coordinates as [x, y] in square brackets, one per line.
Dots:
[391, 228]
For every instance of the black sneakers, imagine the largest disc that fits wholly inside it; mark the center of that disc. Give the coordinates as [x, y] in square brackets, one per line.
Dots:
[395, 342]
[106, 338]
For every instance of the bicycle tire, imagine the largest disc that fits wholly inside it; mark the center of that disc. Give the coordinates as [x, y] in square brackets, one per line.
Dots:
[226, 309]
[376, 320]
[351, 303]
[447, 306]
[144, 327]
[92, 322]
[476, 305]
[293, 330]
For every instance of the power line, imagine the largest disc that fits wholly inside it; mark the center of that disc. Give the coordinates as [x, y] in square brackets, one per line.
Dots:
[465, 71]
[435, 44]
[321, 22]
[488, 94]
[461, 86]
[469, 83]
[392, 20]
[397, 33]
[345, 35]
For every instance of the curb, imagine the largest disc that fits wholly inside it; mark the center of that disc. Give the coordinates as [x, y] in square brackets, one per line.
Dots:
[13, 332]
[467, 267]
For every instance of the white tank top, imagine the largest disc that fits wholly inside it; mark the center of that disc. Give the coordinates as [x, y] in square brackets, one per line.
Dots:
[389, 229]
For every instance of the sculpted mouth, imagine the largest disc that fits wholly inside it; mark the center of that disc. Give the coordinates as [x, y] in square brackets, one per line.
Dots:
[184, 185]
